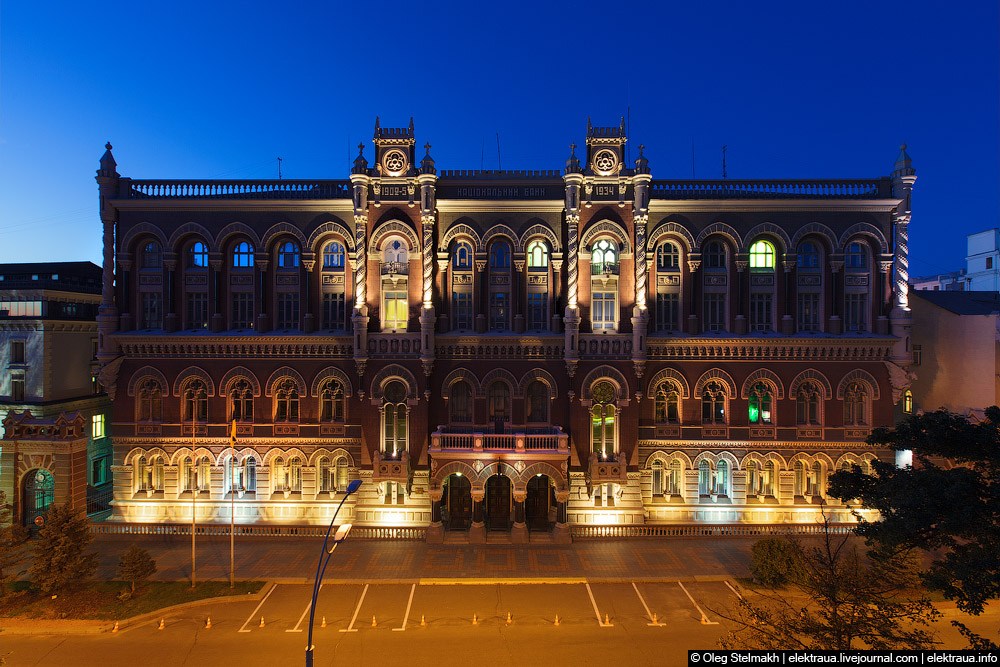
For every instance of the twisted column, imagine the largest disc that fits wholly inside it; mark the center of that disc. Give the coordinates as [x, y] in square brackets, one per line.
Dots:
[572, 269]
[902, 261]
[428, 260]
[361, 271]
[641, 268]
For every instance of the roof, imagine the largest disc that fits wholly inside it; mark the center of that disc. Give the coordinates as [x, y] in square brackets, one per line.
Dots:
[962, 303]
[84, 277]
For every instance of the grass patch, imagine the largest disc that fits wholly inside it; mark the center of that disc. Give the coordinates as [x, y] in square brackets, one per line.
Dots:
[99, 600]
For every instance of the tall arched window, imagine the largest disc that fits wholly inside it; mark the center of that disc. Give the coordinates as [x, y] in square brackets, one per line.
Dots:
[817, 480]
[334, 256]
[279, 475]
[715, 284]
[668, 287]
[499, 403]
[538, 286]
[666, 405]
[327, 481]
[188, 474]
[204, 475]
[801, 479]
[603, 414]
[150, 291]
[461, 257]
[395, 269]
[343, 478]
[241, 400]
[288, 255]
[807, 404]
[286, 288]
[809, 288]
[460, 403]
[197, 256]
[331, 401]
[721, 485]
[462, 288]
[538, 402]
[394, 418]
[243, 255]
[195, 292]
[604, 286]
[241, 285]
[150, 401]
[195, 401]
[759, 407]
[500, 286]
[295, 475]
[856, 288]
[675, 476]
[856, 404]
[286, 401]
[250, 474]
[334, 287]
[762, 286]
[713, 404]
[705, 478]
[142, 481]
[656, 478]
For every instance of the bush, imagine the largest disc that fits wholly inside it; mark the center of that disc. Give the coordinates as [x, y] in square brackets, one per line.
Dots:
[773, 561]
[135, 565]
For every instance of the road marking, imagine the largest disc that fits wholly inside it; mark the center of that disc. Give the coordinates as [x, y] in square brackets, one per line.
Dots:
[254, 612]
[351, 628]
[649, 614]
[735, 592]
[302, 617]
[406, 614]
[597, 612]
[704, 616]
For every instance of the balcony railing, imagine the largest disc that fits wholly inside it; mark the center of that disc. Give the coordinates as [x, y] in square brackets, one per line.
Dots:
[847, 188]
[273, 189]
[395, 268]
[556, 441]
[604, 269]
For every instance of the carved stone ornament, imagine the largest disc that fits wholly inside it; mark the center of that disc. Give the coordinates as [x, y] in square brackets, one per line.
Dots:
[394, 162]
[478, 465]
[605, 162]
[108, 376]
[900, 380]
[519, 466]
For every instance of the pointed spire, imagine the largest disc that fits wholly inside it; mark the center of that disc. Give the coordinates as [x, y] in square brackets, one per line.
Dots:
[411, 126]
[360, 163]
[427, 164]
[589, 125]
[641, 163]
[621, 126]
[904, 165]
[573, 164]
[108, 164]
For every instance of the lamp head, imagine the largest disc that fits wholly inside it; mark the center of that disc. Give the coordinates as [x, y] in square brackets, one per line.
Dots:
[340, 536]
[353, 486]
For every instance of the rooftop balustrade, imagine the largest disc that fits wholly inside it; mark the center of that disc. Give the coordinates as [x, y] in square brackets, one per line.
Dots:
[213, 189]
[846, 188]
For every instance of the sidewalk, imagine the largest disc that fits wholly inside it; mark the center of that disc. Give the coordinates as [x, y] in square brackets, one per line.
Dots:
[294, 559]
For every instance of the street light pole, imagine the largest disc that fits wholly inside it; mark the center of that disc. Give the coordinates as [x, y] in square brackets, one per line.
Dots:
[324, 559]
[194, 485]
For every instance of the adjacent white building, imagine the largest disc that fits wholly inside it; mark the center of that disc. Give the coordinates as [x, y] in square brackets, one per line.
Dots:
[982, 261]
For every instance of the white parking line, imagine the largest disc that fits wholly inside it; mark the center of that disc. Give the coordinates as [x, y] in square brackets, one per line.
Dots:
[254, 612]
[351, 628]
[597, 612]
[652, 621]
[704, 616]
[302, 617]
[735, 592]
[406, 614]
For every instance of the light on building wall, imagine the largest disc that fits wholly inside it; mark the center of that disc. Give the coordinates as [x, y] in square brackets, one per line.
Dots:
[766, 415]
[904, 458]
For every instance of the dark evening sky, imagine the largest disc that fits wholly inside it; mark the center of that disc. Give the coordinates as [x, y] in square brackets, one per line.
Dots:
[220, 90]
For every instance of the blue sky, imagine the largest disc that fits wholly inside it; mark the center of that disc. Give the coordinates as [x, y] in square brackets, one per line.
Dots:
[219, 90]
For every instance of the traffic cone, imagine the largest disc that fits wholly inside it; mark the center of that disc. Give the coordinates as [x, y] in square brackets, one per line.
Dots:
[423, 622]
[208, 623]
[374, 622]
[162, 625]
[655, 622]
[557, 620]
[475, 619]
[261, 621]
[115, 629]
[509, 619]
[323, 624]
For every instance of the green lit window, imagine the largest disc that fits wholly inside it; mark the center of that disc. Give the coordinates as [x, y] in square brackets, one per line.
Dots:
[759, 410]
[762, 256]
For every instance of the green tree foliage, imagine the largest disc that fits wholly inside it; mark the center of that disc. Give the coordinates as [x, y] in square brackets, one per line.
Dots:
[839, 597]
[772, 560]
[60, 558]
[136, 565]
[12, 545]
[947, 503]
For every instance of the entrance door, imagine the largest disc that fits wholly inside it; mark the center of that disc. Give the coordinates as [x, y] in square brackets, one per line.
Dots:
[39, 492]
[459, 503]
[537, 503]
[498, 503]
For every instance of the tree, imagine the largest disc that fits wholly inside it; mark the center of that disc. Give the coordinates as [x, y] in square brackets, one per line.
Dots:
[60, 552]
[950, 511]
[840, 597]
[12, 545]
[135, 564]
[772, 560]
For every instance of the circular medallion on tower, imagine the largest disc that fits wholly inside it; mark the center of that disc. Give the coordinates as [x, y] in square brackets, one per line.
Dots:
[605, 162]
[394, 162]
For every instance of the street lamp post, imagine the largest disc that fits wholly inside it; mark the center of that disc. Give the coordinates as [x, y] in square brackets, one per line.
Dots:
[324, 559]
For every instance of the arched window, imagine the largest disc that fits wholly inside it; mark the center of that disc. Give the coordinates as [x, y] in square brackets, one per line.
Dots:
[715, 255]
[603, 415]
[856, 404]
[142, 481]
[460, 403]
[288, 255]
[768, 478]
[152, 257]
[538, 256]
[279, 475]
[808, 256]
[396, 255]
[713, 404]
[195, 401]
[395, 302]
[461, 257]
[715, 287]
[656, 481]
[250, 474]
[668, 257]
[666, 406]
[243, 255]
[295, 475]
[721, 482]
[325, 471]
[394, 417]
[499, 288]
[855, 258]
[753, 479]
[188, 474]
[150, 401]
[241, 400]
[705, 478]
[908, 402]
[801, 479]
[499, 402]
[675, 478]
[817, 480]
[604, 258]
[500, 255]
[331, 401]
[197, 256]
[334, 256]
[761, 400]
[807, 404]
[286, 401]
[343, 478]
[762, 257]
[538, 402]
[204, 475]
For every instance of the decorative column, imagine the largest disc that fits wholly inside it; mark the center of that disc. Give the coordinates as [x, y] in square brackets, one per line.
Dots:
[169, 307]
[640, 220]
[435, 531]
[742, 290]
[517, 298]
[218, 322]
[561, 532]
[308, 320]
[556, 291]
[901, 321]
[519, 533]
[694, 263]
[477, 532]
[788, 319]
[359, 319]
[428, 216]
[261, 261]
[573, 180]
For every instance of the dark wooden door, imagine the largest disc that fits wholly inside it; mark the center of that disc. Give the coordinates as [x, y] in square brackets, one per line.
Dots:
[498, 503]
[536, 505]
[459, 503]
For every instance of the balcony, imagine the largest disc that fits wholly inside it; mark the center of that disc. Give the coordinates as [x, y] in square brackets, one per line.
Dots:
[388, 468]
[554, 441]
[607, 470]
[395, 269]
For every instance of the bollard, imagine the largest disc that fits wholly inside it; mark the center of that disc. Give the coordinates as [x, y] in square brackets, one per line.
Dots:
[208, 623]
[475, 619]
[323, 624]
[261, 621]
[557, 620]
[162, 625]
[115, 629]
[374, 623]
[509, 619]
[423, 622]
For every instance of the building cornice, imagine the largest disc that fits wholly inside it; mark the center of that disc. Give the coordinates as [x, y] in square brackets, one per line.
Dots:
[235, 205]
[501, 205]
[753, 205]
[776, 349]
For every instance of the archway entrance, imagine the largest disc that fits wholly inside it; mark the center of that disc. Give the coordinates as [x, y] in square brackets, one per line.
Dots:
[457, 503]
[498, 506]
[39, 492]
[538, 502]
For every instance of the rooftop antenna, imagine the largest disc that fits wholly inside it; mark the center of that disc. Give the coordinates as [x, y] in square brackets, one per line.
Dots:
[499, 163]
[724, 162]
[279, 168]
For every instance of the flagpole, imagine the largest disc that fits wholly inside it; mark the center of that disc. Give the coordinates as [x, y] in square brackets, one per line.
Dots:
[232, 508]
[194, 485]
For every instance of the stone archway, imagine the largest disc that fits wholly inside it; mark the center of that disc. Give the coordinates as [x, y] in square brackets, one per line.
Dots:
[499, 495]
[538, 503]
[457, 502]
[38, 494]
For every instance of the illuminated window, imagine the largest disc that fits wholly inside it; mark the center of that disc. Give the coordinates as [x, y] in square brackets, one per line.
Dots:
[333, 256]
[759, 408]
[243, 255]
[197, 256]
[713, 404]
[908, 402]
[331, 398]
[97, 426]
[396, 309]
[762, 257]
[288, 255]
[327, 481]
[394, 419]
[538, 256]
[666, 405]
[604, 258]
[461, 257]
[603, 414]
